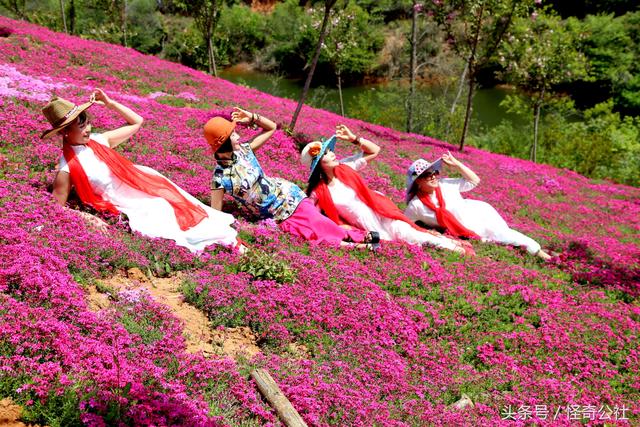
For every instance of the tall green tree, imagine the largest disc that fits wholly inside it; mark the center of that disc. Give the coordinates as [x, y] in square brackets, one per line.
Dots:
[206, 14]
[537, 54]
[64, 17]
[72, 16]
[324, 28]
[613, 57]
[424, 44]
[16, 7]
[475, 30]
[351, 45]
[413, 43]
[116, 13]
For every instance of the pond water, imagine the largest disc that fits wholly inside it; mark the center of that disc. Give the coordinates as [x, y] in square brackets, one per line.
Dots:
[486, 103]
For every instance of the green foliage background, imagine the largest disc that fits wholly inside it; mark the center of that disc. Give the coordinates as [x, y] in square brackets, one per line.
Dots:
[589, 117]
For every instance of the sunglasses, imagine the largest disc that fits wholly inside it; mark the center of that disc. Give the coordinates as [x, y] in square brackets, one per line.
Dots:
[428, 174]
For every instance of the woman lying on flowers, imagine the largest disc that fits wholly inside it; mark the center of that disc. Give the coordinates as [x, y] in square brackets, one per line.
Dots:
[239, 173]
[105, 180]
[438, 203]
[344, 197]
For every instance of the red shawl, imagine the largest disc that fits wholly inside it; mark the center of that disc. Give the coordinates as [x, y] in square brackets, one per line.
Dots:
[376, 201]
[187, 213]
[446, 218]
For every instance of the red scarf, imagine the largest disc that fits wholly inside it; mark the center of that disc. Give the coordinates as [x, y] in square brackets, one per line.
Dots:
[446, 218]
[187, 213]
[376, 201]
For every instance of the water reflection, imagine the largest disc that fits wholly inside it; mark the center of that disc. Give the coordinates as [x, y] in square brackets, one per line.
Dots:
[487, 112]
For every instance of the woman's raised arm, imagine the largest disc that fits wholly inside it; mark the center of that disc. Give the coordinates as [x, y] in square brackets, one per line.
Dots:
[369, 149]
[268, 126]
[465, 171]
[134, 120]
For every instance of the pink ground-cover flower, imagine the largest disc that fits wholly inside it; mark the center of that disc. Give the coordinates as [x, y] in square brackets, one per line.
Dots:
[391, 338]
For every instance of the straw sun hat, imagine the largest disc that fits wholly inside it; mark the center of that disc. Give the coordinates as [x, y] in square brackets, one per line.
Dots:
[60, 113]
[313, 152]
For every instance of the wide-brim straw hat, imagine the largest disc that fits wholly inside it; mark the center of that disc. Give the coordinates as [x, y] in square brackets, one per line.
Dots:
[416, 170]
[60, 113]
[313, 152]
[217, 130]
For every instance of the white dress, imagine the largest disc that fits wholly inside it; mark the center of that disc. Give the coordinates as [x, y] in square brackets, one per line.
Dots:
[357, 213]
[150, 215]
[478, 216]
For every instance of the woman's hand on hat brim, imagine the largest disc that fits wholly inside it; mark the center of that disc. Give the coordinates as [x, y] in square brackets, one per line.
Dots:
[241, 116]
[448, 159]
[344, 133]
[100, 97]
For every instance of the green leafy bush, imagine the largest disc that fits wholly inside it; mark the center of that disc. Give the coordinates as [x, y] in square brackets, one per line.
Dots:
[240, 34]
[598, 142]
[264, 266]
[385, 105]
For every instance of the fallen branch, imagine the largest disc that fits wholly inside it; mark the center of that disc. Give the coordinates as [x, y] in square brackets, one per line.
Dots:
[270, 390]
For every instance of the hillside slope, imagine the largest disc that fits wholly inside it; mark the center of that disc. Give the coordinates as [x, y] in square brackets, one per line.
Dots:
[391, 338]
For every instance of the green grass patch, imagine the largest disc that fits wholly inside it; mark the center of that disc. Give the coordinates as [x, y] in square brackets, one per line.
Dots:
[56, 410]
[264, 266]
[231, 316]
[175, 101]
[103, 288]
[533, 215]
[398, 181]
[144, 324]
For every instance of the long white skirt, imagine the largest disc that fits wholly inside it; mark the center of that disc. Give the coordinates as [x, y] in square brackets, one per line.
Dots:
[155, 217]
[486, 222]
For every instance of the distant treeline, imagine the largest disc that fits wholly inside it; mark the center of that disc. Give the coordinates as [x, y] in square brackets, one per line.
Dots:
[577, 63]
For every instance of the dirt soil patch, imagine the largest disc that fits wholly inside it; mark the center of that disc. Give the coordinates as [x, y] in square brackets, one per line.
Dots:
[232, 342]
[10, 414]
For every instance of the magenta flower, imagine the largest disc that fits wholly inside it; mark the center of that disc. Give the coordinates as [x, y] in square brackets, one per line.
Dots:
[391, 338]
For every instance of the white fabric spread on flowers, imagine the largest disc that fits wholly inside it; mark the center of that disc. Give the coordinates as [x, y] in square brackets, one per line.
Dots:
[149, 215]
[356, 212]
[476, 215]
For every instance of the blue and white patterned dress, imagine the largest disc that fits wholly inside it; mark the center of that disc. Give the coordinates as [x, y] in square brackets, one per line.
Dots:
[243, 178]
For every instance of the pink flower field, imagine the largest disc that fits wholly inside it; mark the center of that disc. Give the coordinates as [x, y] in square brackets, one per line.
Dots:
[391, 338]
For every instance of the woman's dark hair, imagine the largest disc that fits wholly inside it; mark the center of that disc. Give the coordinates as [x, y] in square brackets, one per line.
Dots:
[82, 118]
[226, 147]
[315, 178]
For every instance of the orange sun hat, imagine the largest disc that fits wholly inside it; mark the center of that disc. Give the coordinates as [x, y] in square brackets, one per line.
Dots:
[217, 130]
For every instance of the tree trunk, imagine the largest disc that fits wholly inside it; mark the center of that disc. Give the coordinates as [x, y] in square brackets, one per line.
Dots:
[340, 94]
[64, 18]
[323, 32]
[272, 393]
[17, 7]
[467, 115]
[212, 59]
[72, 16]
[471, 62]
[124, 22]
[460, 86]
[412, 65]
[536, 119]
